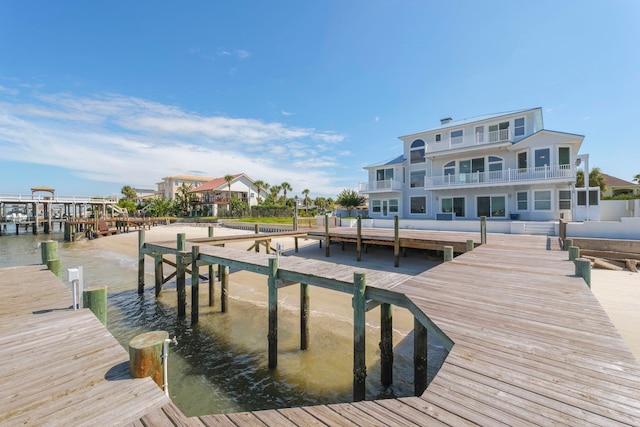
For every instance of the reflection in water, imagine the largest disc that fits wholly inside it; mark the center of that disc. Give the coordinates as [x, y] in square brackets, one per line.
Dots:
[220, 364]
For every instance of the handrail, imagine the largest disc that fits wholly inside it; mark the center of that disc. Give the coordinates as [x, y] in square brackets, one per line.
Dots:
[501, 176]
[28, 198]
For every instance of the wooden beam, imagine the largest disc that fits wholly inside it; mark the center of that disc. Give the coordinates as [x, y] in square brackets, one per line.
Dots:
[272, 335]
[304, 316]
[386, 345]
[141, 246]
[359, 334]
[224, 285]
[420, 352]
[195, 285]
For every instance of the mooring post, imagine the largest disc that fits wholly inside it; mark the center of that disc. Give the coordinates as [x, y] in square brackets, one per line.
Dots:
[420, 353]
[181, 276]
[95, 299]
[272, 336]
[583, 269]
[195, 284]
[483, 230]
[396, 241]
[158, 264]
[304, 316]
[470, 245]
[359, 238]
[359, 362]
[574, 253]
[257, 231]
[567, 244]
[326, 235]
[145, 355]
[224, 287]
[212, 276]
[55, 266]
[140, 262]
[48, 250]
[386, 344]
[448, 253]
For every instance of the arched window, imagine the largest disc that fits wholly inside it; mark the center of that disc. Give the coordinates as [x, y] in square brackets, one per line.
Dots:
[450, 168]
[417, 151]
[496, 165]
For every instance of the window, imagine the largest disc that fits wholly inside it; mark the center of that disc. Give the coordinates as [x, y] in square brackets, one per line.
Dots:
[418, 205]
[450, 168]
[417, 151]
[453, 204]
[564, 156]
[522, 161]
[542, 158]
[384, 174]
[417, 179]
[564, 199]
[477, 165]
[375, 206]
[518, 128]
[456, 137]
[176, 182]
[393, 205]
[479, 134]
[542, 200]
[499, 132]
[495, 167]
[491, 206]
[522, 200]
[593, 197]
[438, 137]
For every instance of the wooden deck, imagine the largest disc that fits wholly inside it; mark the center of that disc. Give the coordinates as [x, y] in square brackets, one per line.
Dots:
[529, 345]
[62, 367]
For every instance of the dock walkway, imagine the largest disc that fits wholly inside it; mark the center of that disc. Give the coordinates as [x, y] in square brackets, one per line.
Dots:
[529, 345]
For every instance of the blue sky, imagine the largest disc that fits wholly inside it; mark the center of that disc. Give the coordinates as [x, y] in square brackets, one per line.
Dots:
[96, 95]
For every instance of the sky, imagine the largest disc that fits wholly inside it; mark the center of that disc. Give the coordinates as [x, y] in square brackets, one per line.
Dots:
[96, 95]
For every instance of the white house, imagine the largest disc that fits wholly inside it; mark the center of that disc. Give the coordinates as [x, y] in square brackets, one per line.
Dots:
[217, 193]
[502, 166]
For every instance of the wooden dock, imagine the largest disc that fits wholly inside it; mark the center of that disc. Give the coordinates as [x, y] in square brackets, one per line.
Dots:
[528, 345]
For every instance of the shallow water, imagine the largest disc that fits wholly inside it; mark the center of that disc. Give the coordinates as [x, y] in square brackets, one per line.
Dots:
[220, 364]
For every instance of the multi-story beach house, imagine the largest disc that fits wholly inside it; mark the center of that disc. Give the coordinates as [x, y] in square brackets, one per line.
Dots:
[217, 193]
[168, 187]
[502, 166]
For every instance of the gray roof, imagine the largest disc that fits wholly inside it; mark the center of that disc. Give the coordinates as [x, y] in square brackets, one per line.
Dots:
[393, 161]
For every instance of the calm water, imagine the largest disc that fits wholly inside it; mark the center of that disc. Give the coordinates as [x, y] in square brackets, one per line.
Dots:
[220, 365]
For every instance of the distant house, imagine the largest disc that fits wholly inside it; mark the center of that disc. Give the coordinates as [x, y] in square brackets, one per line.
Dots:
[617, 186]
[502, 166]
[168, 187]
[215, 195]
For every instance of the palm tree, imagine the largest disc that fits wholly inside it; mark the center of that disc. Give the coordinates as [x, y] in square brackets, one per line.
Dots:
[637, 178]
[229, 178]
[595, 179]
[260, 184]
[306, 199]
[275, 191]
[285, 187]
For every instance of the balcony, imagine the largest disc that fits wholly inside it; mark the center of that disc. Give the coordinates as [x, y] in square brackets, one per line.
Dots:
[549, 174]
[380, 186]
[451, 143]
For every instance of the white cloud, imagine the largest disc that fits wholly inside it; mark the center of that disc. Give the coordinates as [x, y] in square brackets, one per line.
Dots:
[123, 140]
[242, 54]
[377, 119]
[286, 113]
[8, 90]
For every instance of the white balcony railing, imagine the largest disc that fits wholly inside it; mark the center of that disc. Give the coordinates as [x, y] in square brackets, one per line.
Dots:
[503, 135]
[563, 172]
[386, 185]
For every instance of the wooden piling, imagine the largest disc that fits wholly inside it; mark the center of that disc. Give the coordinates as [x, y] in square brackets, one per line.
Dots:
[195, 284]
[448, 253]
[470, 245]
[583, 269]
[224, 285]
[273, 313]
[181, 275]
[257, 231]
[212, 276]
[158, 263]
[386, 344]
[574, 253]
[95, 299]
[48, 250]
[483, 230]
[55, 266]
[396, 241]
[141, 241]
[420, 353]
[304, 316]
[327, 239]
[359, 239]
[567, 244]
[145, 355]
[359, 362]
